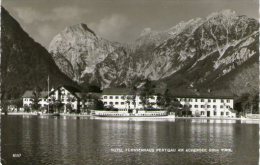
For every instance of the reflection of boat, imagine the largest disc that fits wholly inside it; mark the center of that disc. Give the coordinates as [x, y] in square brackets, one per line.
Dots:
[48, 114]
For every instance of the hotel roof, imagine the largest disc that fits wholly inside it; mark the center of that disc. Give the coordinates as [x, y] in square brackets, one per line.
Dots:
[116, 91]
[126, 91]
[29, 94]
[202, 94]
[187, 93]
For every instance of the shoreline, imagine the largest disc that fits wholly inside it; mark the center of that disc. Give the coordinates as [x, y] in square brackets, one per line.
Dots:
[163, 117]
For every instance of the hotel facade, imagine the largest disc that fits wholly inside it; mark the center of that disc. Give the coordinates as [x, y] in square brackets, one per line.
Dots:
[124, 100]
[65, 94]
[208, 107]
[203, 105]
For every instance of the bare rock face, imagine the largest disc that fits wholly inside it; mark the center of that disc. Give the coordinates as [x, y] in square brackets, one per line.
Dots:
[77, 50]
[198, 53]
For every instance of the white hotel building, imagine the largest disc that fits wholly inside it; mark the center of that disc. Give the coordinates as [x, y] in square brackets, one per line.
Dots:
[208, 106]
[124, 99]
[203, 106]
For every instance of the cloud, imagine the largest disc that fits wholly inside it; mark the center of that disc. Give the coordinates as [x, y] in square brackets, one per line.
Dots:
[30, 15]
[67, 13]
[111, 27]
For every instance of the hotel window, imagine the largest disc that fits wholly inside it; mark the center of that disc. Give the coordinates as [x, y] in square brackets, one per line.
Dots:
[122, 103]
[221, 106]
[202, 112]
[116, 97]
[111, 97]
[227, 113]
[209, 100]
[196, 106]
[208, 106]
[190, 106]
[202, 106]
[228, 100]
[116, 103]
[111, 103]
[202, 100]
[222, 113]
[105, 97]
[122, 97]
[215, 113]
[214, 106]
[214, 100]
[196, 100]
[222, 101]
[190, 100]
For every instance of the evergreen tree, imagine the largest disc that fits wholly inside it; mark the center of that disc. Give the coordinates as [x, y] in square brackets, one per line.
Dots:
[36, 99]
[147, 92]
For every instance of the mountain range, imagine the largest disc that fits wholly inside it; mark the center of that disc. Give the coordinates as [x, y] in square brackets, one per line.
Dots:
[219, 52]
[201, 53]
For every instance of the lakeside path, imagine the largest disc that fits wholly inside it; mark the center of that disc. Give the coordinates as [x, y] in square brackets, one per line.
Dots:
[218, 118]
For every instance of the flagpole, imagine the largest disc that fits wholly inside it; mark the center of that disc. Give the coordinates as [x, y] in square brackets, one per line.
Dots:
[48, 94]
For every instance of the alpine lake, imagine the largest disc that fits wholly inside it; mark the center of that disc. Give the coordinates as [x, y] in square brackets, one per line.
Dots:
[35, 140]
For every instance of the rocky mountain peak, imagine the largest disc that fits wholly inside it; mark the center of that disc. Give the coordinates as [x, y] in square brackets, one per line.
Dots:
[199, 51]
[79, 28]
[77, 50]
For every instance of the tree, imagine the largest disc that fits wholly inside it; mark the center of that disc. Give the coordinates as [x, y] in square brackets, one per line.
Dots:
[36, 99]
[175, 106]
[85, 99]
[69, 104]
[26, 108]
[246, 87]
[128, 101]
[98, 105]
[58, 105]
[147, 92]
[164, 100]
[18, 103]
[133, 93]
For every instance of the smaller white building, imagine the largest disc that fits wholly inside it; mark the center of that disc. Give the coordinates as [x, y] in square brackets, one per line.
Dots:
[29, 95]
[64, 94]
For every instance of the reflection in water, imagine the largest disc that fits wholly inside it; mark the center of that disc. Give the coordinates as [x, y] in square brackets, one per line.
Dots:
[84, 140]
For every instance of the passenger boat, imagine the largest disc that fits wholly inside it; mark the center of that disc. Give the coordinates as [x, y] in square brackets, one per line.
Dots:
[134, 113]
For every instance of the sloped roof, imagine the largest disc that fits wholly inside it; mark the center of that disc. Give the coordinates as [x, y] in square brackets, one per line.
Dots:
[189, 93]
[29, 94]
[116, 91]
[71, 89]
[90, 95]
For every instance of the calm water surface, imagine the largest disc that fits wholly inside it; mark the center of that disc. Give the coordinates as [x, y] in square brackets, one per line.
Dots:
[93, 142]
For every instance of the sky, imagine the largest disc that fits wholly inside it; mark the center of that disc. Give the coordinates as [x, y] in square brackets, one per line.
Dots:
[115, 20]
